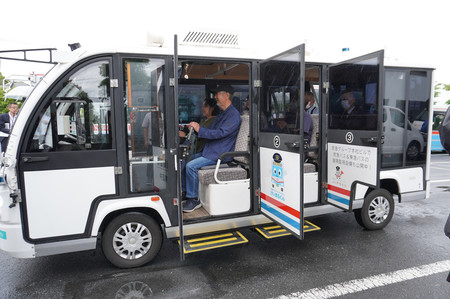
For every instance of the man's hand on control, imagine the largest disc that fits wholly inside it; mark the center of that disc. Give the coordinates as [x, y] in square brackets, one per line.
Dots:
[195, 125]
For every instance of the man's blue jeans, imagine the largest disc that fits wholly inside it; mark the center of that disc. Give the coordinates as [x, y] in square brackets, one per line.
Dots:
[191, 176]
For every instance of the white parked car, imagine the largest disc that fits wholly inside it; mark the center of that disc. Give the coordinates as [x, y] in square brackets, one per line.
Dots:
[394, 130]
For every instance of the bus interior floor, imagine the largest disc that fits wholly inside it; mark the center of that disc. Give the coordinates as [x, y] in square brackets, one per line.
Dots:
[198, 213]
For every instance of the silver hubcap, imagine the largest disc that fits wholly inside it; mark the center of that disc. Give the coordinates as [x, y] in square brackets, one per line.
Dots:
[379, 209]
[132, 241]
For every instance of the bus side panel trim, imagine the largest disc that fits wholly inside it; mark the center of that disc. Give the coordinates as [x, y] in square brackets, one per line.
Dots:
[65, 246]
[411, 196]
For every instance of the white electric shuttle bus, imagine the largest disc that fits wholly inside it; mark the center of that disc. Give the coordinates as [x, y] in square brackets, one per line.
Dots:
[77, 169]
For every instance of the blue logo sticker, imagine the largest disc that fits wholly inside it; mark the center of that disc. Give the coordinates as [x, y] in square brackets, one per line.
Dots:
[277, 178]
[2, 235]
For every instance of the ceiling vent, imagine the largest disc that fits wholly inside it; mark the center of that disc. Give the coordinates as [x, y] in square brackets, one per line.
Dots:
[211, 39]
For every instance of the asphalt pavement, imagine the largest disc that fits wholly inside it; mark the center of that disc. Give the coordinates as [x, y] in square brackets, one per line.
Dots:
[407, 259]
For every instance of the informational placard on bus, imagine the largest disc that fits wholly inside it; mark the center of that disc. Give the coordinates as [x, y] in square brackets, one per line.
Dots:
[280, 190]
[346, 164]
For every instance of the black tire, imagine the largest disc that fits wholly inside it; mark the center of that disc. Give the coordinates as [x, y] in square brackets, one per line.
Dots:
[131, 240]
[358, 217]
[377, 210]
[413, 150]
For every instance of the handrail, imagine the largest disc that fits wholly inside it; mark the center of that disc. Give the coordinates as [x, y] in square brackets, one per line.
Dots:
[25, 51]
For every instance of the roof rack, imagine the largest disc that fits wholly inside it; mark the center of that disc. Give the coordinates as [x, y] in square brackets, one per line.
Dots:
[25, 51]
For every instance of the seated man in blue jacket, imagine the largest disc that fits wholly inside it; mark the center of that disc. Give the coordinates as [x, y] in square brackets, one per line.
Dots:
[221, 138]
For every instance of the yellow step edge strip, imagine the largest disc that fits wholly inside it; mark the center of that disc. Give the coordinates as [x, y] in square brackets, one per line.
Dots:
[276, 231]
[313, 225]
[244, 240]
[209, 238]
[272, 227]
[269, 232]
[212, 242]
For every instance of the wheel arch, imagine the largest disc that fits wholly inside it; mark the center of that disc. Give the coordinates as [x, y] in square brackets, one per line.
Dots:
[110, 209]
[143, 210]
[390, 185]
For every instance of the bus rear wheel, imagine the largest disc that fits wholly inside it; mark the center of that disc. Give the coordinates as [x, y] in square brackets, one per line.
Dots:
[377, 210]
[131, 240]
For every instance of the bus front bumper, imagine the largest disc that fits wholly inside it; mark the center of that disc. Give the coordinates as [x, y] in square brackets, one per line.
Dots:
[12, 242]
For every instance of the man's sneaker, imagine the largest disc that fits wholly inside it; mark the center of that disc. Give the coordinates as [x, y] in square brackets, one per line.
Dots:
[191, 205]
[183, 197]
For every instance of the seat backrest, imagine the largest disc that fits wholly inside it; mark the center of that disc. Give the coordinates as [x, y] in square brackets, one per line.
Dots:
[242, 139]
[314, 137]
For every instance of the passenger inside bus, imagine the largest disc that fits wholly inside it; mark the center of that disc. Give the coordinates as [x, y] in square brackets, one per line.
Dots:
[221, 137]
[351, 116]
[289, 123]
[310, 103]
[246, 106]
[307, 126]
[209, 112]
[196, 145]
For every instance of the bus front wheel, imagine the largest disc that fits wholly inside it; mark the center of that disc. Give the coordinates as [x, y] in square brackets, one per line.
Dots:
[377, 210]
[131, 240]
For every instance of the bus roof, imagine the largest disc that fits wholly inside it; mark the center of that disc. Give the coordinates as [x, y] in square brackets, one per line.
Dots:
[216, 45]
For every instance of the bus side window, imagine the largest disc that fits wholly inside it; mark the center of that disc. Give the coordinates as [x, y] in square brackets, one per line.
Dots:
[78, 117]
[42, 139]
[144, 91]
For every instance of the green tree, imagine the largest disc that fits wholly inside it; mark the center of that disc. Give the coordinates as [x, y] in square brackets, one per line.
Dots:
[439, 87]
[2, 94]
[4, 103]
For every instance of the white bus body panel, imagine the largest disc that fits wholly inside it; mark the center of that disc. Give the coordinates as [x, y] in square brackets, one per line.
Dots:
[108, 206]
[70, 207]
[408, 179]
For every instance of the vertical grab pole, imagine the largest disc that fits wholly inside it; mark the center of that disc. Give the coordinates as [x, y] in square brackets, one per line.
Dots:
[180, 206]
[179, 154]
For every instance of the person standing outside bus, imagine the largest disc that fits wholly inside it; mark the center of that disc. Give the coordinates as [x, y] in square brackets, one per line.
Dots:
[220, 138]
[6, 122]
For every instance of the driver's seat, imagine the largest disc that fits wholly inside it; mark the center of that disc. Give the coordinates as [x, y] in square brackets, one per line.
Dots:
[225, 189]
